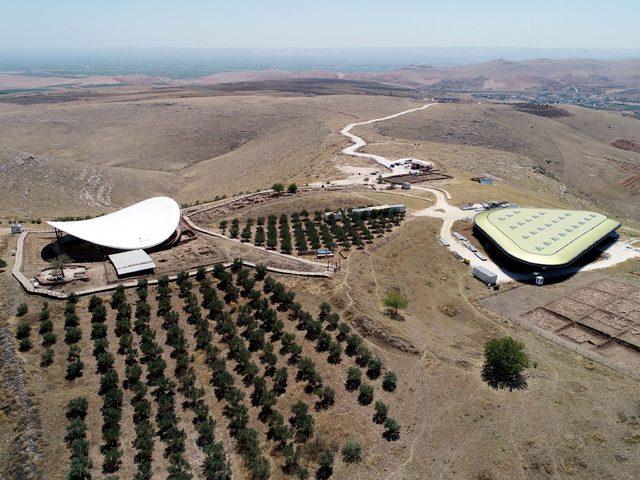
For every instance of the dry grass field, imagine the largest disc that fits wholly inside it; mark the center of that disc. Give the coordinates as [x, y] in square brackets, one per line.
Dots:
[90, 154]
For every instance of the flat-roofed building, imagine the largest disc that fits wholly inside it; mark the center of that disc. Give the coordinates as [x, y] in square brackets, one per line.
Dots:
[379, 210]
[132, 262]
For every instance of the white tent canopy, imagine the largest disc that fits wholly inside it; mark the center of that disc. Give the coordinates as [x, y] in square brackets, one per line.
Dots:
[143, 225]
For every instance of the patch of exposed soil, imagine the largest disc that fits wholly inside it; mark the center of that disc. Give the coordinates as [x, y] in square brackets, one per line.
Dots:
[368, 328]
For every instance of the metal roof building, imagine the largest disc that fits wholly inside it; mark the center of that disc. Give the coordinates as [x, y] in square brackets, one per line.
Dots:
[143, 225]
[133, 261]
[544, 237]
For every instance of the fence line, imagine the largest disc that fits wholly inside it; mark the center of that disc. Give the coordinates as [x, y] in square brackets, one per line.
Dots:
[30, 288]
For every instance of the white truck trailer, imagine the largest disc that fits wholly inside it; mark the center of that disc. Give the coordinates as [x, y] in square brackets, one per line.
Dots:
[485, 275]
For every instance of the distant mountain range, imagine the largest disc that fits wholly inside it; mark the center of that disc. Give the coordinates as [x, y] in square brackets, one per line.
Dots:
[516, 75]
[495, 75]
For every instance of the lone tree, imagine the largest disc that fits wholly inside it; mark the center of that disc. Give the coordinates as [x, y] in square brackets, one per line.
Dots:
[504, 363]
[395, 301]
[59, 262]
[278, 188]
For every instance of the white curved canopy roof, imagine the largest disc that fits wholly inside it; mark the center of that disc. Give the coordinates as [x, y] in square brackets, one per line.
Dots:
[142, 225]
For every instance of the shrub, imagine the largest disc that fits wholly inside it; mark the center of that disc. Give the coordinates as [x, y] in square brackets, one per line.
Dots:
[343, 331]
[354, 378]
[23, 309]
[326, 398]
[45, 326]
[292, 188]
[280, 380]
[118, 297]
[74, 369]
[278, 187]
[335, 352]
[352, 452]
[23, 330]
[80, 465]
[374, 368]
[392, 429]
[77, 408]
[46, 358]
[325, 462]
[363, 356]
[261, 272]
[365, 396]
[301, 421]
[353, 343]
[48, 339]
[381, 412]
[24, 345]
[72, 335]
[201, 273]
[389, 381]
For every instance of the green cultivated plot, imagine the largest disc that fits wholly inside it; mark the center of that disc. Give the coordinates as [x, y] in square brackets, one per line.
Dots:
[546, 237]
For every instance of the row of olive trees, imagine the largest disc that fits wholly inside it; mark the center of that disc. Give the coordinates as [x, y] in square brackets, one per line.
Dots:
[163, 388]
[215, 465]
[354, 347]
[110, 391]
[76, 440]
[223, 381]
[72, 337]
[259, 321]
[48, 337]
[143, 442]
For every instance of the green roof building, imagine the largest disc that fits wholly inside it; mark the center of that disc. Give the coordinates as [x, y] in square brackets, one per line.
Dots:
[544, 237]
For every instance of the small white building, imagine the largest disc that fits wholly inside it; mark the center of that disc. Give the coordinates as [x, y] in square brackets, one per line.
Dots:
[133, 261]
[16, 228]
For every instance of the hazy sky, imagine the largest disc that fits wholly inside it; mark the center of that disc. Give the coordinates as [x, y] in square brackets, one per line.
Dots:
[325, 23]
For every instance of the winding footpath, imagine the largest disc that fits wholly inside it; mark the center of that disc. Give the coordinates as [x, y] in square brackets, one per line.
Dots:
[617, 252]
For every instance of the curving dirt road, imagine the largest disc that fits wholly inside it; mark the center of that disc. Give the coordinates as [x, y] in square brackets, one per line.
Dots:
[358, 142]
[617, 252]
